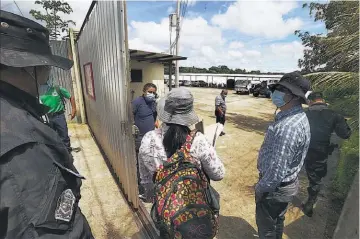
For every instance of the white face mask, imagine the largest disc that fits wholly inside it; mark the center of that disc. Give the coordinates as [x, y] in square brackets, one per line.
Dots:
[150, 96]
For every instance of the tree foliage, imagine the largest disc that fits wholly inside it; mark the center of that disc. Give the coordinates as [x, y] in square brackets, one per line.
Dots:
[222, 69]
[338, 50]
[54, 23]
[332, 60]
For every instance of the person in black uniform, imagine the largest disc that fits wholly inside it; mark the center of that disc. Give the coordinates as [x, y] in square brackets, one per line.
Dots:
[323, 122]
[39, 185]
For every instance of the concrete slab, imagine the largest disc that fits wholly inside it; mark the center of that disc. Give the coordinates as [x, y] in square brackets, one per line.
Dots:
[102, 203]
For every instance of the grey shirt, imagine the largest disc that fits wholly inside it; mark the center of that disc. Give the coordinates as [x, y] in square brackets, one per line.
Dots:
[219, 101]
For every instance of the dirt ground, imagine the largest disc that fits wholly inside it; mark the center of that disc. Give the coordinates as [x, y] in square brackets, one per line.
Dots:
[247, 121]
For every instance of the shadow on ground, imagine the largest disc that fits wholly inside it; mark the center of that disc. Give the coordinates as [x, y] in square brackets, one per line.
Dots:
[235, 227]
[249, 123]
[109, 228]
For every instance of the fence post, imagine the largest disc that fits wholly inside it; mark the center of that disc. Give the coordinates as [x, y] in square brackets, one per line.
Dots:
[79, 94]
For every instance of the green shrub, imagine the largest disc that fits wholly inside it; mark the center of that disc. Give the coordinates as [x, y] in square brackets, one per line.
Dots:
[347, 167]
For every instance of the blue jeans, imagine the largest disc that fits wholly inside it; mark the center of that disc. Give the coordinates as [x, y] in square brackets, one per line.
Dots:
[58, 123]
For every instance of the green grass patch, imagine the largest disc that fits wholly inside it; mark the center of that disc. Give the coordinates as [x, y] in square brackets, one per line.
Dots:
[347, 167]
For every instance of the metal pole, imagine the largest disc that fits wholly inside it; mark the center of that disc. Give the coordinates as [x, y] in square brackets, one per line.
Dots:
[79, 93]
[177, 43]
[170, 75]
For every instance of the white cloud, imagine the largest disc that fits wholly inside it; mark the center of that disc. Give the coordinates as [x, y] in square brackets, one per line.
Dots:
[203, 43]
[235, 54]
[236, 45]
[291, 50]
[259, 19]
[195, 33]
[252, 53]
[80, 9]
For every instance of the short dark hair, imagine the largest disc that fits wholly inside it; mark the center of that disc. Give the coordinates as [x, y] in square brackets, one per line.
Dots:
[149, 85]
[315, 96]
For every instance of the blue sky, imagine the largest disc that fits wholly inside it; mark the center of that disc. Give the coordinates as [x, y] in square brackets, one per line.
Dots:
[255, 35]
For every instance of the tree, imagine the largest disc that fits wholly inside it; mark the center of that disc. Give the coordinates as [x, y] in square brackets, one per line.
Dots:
[53, 21]
[331, 61]
[339, 49]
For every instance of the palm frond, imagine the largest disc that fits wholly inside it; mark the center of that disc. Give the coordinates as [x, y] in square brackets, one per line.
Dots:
[341, 89]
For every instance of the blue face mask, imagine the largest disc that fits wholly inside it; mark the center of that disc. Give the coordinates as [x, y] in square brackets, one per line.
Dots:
[277, 98]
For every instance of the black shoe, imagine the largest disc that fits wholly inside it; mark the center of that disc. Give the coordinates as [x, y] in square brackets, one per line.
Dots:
[308, 208]
[222, 133]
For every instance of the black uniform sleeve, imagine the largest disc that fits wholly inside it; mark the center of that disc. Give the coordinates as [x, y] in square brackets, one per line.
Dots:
[342, 129]
[35, 185]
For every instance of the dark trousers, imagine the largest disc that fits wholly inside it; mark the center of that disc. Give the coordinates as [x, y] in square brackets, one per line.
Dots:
[270, 217]
[316, 170]
[220, 118]
[271, 209]
[58, 123]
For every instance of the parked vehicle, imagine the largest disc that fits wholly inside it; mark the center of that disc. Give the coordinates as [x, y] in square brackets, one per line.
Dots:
[242, 86]
[202, 83]
[195, 83]
[261, 89]
[186, 83]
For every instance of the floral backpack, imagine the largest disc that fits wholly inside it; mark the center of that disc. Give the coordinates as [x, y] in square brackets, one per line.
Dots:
[184, 205]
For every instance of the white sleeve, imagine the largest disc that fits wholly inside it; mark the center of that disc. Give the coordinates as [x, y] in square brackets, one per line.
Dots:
[202, 151]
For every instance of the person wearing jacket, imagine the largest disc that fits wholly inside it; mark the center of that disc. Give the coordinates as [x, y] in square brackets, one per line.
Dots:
[39, 185]
[323, 122]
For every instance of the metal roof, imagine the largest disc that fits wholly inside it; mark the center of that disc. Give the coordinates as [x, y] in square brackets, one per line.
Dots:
[153, 57]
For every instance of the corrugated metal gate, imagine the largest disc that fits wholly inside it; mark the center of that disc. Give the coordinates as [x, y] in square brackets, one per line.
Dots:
[60, 76]
[103, 59]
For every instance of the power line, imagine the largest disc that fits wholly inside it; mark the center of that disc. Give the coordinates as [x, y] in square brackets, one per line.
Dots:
[18, 8]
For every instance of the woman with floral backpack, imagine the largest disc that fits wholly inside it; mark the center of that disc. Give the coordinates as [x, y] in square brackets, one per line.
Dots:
[176, 165]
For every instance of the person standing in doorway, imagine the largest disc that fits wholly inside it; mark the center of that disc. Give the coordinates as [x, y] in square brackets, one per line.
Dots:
[220, 108]
[40, 186]
[145, 115]
[323, 122]
[282, 155]
[55, 98]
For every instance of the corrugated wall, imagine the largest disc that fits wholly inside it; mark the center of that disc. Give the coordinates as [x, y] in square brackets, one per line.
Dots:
[102, 43]
[60, 76]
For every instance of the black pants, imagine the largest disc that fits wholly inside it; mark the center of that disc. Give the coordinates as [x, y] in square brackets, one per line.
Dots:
[58, 123]
[220, 118]
[316, 170]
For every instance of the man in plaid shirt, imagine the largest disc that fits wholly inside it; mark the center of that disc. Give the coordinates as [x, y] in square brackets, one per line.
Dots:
[282, 155]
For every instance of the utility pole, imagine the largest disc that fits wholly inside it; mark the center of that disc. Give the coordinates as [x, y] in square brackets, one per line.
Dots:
[177, 43]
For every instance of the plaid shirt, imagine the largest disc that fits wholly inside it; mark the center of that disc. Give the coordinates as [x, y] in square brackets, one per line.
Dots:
[284, 149]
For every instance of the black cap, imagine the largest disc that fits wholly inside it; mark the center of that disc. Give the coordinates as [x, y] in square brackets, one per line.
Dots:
[315, 95]
[296, 83]
[24, 42]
